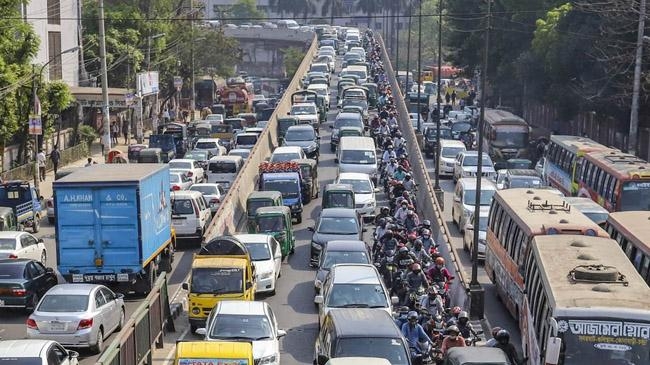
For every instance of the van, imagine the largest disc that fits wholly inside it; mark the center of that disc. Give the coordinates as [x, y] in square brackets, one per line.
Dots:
[222, 352]
[191, 214]
[358, 70]
[357, 154]
[246, 140]
[224, 169]
[465, 197]
[449, 149]
[360, 332]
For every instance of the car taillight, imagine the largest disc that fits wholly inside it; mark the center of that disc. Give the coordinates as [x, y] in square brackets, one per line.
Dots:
[190, 174]
[31, 324]
[18, 292]
[12, 256]
[85, 323]
[50, 204]
[176, 187]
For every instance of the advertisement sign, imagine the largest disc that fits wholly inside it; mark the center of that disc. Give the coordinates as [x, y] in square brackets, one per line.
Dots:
[35, 125]
[148, 83]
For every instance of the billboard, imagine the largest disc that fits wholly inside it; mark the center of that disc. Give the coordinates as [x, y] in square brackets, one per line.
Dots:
[147, 83]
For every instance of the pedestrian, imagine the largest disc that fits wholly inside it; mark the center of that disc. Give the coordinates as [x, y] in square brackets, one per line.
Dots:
[41, 159]
[453, 97]
[447, 97]
[90, 162]
[125, 130]
[55, 156]
[115, 132]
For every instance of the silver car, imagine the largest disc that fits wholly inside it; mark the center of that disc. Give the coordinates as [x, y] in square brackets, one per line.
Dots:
[77, 315]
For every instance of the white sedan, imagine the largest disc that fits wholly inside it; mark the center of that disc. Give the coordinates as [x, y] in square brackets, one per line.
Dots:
[36, 352]
[266, 254]
[213, 194]
[178, 180]
[365, 201]
[191, 168]
[22, 245]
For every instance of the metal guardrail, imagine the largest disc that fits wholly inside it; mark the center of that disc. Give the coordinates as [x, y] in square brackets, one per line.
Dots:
[26, 171]
[144, 330]
[426, 197]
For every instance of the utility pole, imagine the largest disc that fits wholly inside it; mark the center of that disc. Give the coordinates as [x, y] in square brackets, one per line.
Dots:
[37, 172]
[436, 187]
[192, 45]
[106, 142]
[408, 53]
[634, 113]
[476, 291]
[397, 50]
[419, 67]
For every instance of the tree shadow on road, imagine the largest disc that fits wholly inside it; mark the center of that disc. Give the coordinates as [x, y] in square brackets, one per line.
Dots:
[298, 344]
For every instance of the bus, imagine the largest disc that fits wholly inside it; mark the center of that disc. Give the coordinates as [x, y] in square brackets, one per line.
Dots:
[505, 136]
[632, 232]
[563, 155]
[516, 217]
[618, 181]
[206, 92]
[584, 304]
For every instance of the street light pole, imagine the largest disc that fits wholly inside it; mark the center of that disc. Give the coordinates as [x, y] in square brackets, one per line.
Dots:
[192, 106]
[436, 187]
[477, 293]
[634, 113]
[419, 64]
[408, 53]
[106, 118]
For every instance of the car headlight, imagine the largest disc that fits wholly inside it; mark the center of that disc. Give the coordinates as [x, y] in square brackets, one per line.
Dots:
[315, 245]
[318, 283]
[265, 275]
[296, 206]
[267, 360]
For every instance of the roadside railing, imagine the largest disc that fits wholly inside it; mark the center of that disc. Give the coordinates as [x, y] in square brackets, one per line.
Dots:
[145, 329]
[26, 171]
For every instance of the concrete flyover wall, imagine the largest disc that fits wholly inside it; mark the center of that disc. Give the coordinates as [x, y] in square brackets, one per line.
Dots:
[428, 207]
[286, 35]
[232, 211]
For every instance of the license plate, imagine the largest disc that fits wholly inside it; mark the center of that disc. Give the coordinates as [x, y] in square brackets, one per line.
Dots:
[57, 326]
[99, 277]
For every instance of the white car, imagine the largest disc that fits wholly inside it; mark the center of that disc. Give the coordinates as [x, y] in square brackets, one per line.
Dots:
[250, 321]
[468, 237]
[287, 153]
[306, 113]
[37, 352]
[500, 178]
[266, 254]
[190, 214]
[178, 180]
[464, 199]
[217, 118]
[365, 200]
[243, 152]
[22, 245]
[213, 194]
[449, 150]
[321, 90]
[193, 169]
[466, 165]
[212, 145]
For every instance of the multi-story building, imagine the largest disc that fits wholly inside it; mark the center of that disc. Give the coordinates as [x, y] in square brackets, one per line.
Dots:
[57, 24]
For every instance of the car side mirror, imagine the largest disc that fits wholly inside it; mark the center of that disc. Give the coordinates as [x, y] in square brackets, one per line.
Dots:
[282, 333]
[311, 229]
[185, 286]
[322, 359]
[40, 240]
[73, 354]
[469, 227]
[318, 299]
[201, 331]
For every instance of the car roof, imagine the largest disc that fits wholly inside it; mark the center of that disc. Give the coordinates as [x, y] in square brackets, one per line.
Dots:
[478, 355]
[73, 289]
[451, 143]
[470, 183]
[294, 149]
[358, 274]
[180, 194]
[304, 104]
[205, 184]
[23, 348]
[10, 234]
[348, 115]
[208, 140]
[242, 307]
[252, 237]
[338, 212]
[225, 158]
[524, 172]
[188, 160]
[353, 175]
[345, 245]
[364, 322]
[300, 127]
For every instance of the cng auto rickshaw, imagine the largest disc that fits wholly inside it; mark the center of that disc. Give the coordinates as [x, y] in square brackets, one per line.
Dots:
[134, 151]
[338, 196]
[258, 199]
[276, 221]
[309, 174]
[283, 125]
[151, 155]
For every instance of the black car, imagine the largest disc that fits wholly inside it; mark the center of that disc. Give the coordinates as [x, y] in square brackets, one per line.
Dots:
[430, 138]
[460, 128]
[305, 137]
[23, 282]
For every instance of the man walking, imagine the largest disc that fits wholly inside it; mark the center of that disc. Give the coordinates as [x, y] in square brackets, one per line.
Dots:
[55, 156]
[41, 159]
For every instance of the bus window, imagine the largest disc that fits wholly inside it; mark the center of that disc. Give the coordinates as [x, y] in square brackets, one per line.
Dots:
[645, 266]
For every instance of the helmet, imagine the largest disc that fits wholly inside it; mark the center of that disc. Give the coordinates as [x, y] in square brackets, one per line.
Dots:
[381, 221]
[409, 212]
[426, 232]
[389, 253]
[403, 309]
[416, 267]
[412, 236]
[463, 314]
[403, 250]
[456, 310]
[413, 315]
[502, 336]
[405, 194]
[495, 330]
[426, 223]
[398, 134]
[384, 209]
[440, 261]
[407, 176]
[417, 243]
[453, 329]
[432, 290]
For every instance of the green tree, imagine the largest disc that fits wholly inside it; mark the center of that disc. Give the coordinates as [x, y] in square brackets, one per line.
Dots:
[292, 58]
[245, 11]
[369, 7]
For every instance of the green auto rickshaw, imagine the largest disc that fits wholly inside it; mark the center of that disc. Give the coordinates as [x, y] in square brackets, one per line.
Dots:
[338, 196]
[372, 93]
[276, 221]
[258, 199]
[8, 220]
[309, 174]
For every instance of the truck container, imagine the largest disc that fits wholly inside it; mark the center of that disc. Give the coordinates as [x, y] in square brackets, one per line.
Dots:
[114, 225]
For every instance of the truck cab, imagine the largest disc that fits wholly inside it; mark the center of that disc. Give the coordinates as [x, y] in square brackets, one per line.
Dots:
[23, 198]
[167, 145]
[286, 178]
[222, 270]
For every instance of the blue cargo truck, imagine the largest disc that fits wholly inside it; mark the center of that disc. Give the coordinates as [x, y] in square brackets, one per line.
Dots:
[114, 225]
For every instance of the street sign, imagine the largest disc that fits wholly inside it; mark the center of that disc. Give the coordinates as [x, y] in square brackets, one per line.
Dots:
[35, 125]
[178, 82]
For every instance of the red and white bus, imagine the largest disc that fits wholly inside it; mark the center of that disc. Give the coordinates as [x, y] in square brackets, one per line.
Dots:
[632, 232]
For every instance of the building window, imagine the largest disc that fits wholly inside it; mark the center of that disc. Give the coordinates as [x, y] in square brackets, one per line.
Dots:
[53, 11]
[54, 50]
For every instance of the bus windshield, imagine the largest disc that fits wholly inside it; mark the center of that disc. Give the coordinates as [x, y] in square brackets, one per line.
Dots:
[510, 138]
[635, 196]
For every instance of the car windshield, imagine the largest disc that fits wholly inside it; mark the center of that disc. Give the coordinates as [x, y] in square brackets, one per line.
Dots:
[197, 156]
[63, 303]
[7, 244]
[473, 161]
[206, 145]
[299, 135]
[243, 153]
[11, 271]
[486, 197]
[344, 257]
[174, 178]
[303, 110]
[247, 140]
[284, 157]
[357, 296]
[391, 349]
[451, 152]
[358, 186]
[511, 139]
[358, 157]
[288, 188]
[525, 182]
[461, 127]
[205, 189]
[241, 327]
[182, 206]
[180, 165]
[259, 251]
[217, 280]
[635, 196]
[445, 133]
[266, 224]
[338, 225]
[222, 167]
[345, 122]
[254, 204]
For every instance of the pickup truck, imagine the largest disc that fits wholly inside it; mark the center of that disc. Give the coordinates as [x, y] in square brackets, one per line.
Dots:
[286, 178]
[113, 225]
[24, 199]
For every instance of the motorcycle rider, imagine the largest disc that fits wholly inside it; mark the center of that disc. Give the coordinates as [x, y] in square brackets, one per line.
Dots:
[432, 302]
[427, 240]
[426, 224]
[388, 242]
[411, 221]
[391, 168]
[401, 213]
[493, 341]
[452, 340]
[405, 197]
[414, 333]
[420, 253]
[404, 258]
[381, 229]
[384, 212]
[388, 154]
[398, 140]
[439, 273]
[409, 183]
[416, 278]
[503, 343]
[463, 324]
[455, 312]
[400, 174]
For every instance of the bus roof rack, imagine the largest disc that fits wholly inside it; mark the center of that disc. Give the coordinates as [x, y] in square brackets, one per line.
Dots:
[620, 157]
[599, 274]
[545, 205]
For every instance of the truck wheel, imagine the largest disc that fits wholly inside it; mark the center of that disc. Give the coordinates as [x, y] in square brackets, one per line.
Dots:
[36, 226]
